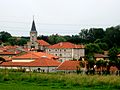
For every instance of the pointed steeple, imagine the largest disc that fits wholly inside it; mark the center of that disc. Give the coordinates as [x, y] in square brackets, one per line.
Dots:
[33, 26]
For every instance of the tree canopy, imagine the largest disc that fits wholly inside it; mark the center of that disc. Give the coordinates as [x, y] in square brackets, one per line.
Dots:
[4, 36]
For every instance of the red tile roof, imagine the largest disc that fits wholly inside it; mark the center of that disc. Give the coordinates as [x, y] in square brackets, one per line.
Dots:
[13, 64]
[6, 50]
[43, 62]
[100, 56]
[8, 53]
[69, 65]
[43, 43]
[8, 47]
[35, 55]
[66, 45]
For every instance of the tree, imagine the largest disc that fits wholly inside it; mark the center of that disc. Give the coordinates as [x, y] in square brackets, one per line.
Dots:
[12, 41]
[84, 35]
[112, 36]
[113, 52]
[92, 48]
[21, 42]
[97, 33]
[91, 35]
[45, 38]
[53, 39]
[4, 36]
[102, 64]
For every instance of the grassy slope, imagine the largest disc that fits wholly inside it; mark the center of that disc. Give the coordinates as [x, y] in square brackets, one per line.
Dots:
[37, 81]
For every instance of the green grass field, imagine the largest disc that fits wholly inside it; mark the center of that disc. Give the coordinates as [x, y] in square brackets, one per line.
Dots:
[38, 81]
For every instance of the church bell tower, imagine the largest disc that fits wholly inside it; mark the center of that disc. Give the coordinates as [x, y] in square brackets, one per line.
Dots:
[33, 35]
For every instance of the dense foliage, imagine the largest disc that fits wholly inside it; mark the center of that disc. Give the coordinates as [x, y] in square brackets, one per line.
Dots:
[106, 39]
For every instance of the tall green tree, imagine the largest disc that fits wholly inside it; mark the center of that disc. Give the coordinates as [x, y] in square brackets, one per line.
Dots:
[53, 39]
[12, 41]
[90, 49]
[113, 52]
[4, 36]
[97, 33]
[21, 42]
[92, 34]
[84, 35]
[112, 36]
[43, 37]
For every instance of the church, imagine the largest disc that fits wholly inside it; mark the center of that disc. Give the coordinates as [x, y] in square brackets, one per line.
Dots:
[34, 44]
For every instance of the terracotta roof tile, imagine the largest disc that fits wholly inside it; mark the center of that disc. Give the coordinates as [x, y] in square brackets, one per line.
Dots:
[42, 42]
[66, 45]
[43, 62]
[8, 53]
[69, 65]
[12, 64]
[35, 55]
[100, 56]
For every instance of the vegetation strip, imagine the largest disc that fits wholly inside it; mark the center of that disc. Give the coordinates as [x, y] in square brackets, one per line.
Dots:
[60, 81]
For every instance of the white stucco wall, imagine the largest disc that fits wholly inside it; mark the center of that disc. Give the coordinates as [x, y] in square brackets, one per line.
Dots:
[45, 69]
[22, 60]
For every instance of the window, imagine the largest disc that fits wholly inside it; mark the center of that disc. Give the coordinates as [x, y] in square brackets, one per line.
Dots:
[49, 50]
[60, 54]
[55, 54]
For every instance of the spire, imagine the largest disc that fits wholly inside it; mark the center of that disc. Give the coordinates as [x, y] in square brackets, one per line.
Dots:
[33, 26]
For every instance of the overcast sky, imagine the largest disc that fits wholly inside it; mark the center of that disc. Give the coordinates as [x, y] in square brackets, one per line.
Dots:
[65, 17]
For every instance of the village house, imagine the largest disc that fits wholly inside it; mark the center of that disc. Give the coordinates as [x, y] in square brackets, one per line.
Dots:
[69, 66]
[72, 66]
[66, 51]
[33, 61]
[101, 57]
[10, 51]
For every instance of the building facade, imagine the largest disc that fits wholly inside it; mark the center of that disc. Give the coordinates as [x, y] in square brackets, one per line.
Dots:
[66, 51]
